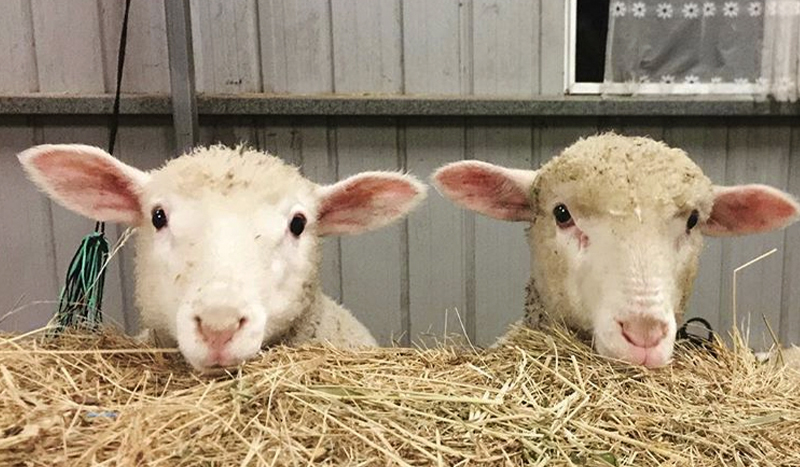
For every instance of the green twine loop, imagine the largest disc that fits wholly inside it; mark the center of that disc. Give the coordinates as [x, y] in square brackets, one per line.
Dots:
[82, 296]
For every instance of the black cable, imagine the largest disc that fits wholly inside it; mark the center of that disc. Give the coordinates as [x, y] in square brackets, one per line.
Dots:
[123, 43]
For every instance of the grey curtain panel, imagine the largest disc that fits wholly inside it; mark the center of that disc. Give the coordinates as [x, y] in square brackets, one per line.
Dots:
[696, 47]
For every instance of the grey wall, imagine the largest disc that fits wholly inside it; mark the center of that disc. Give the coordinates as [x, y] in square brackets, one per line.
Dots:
[442, 269]
[464, 47]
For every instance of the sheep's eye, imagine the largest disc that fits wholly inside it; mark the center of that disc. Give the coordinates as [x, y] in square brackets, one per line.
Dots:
[159, 218]
[692, 221]
[297, 225]
[562, 215]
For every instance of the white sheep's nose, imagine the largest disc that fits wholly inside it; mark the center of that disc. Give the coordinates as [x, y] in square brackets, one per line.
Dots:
[216, 333]
[644, 331]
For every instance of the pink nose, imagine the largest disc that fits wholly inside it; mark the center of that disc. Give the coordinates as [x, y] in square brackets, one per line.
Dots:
[644, 331]
[217, 338]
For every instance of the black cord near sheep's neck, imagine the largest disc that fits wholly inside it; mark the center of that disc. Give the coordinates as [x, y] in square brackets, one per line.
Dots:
[81, 298]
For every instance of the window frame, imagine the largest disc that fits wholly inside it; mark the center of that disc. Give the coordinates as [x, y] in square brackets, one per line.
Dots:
[574, 88]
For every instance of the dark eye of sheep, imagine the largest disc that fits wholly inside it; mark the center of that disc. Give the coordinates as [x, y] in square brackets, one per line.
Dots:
[159, 218]
[692, 221]
[562, 215]
[297, 225]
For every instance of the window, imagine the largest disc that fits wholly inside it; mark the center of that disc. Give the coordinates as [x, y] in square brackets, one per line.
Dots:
[683, 47]
[588, 26]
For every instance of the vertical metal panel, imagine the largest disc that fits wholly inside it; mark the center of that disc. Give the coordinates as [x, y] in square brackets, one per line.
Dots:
[69, 228]
[296, 46]
[146, 63]
[280, 137]
[182, 75]
[435, 235]
[26, 240]
[506, 51]
[704, 142]
[790, 301]
[226, 45]
[18, 75]
[69, 55]
[367, 46]
[501, 252]
[552, 45]
[371, 262]
[431, 46]
[756, 154]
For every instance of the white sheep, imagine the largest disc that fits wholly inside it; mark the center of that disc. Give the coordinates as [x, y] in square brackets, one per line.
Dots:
[616, 226]
[228, 241]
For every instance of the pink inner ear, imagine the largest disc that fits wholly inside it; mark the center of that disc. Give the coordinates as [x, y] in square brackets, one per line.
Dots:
[750, 209]
[93, 186]
[485, 190]
[364, 203]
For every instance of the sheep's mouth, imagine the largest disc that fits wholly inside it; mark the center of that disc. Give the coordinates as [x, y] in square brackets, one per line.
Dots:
[222, 366]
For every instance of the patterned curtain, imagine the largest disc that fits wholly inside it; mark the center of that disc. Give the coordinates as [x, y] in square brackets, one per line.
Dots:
[696, 47]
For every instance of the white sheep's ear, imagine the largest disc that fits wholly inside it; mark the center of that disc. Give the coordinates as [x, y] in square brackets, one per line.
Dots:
[367, 201]
[87, 180]
[488, 189]
[749, 209]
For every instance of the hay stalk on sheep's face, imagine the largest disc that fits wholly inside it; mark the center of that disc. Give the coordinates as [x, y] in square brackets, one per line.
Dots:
[616, 226]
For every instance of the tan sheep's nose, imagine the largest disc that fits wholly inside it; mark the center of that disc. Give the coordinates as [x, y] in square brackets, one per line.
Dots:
[216, 336]
[644, 331]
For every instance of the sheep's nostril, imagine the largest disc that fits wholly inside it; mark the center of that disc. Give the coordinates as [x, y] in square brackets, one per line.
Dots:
[643, 331]
[216, 331]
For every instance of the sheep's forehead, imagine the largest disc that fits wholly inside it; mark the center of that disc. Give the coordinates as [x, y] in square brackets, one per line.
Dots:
[625, 176]
[231, 173]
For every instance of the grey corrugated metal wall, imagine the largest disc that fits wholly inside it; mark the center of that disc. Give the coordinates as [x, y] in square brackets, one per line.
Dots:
[408, 279]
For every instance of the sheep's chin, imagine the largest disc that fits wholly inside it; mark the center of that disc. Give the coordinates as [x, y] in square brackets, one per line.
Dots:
[610, 342]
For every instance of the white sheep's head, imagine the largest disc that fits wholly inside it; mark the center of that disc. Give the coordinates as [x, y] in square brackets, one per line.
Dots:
[228, 239]
[616, 226]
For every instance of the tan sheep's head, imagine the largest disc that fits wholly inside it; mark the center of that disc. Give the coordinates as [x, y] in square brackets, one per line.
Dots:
[227, 247]
[616, 226]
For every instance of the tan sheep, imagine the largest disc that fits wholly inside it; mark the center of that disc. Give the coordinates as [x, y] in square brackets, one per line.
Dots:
[616, 230]
[228, 241]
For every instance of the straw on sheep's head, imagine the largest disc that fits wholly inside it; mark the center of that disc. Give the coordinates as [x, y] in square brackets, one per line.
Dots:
[616, 226]
[228, 239]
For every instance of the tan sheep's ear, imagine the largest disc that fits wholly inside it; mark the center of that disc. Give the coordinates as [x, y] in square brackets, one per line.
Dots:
[749, 209]
[367, 201]
[488, 189]
[87, 180]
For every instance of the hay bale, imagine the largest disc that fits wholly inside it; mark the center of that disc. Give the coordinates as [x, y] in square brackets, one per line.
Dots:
[536, 400]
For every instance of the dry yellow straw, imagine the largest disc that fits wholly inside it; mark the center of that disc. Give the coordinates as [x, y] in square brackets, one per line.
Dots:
[88, 400]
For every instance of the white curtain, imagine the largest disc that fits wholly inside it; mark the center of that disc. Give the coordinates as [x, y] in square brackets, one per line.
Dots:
[697, 47]
[781, 49]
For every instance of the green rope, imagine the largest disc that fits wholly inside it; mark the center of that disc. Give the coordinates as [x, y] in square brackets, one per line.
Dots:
[82, 296]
